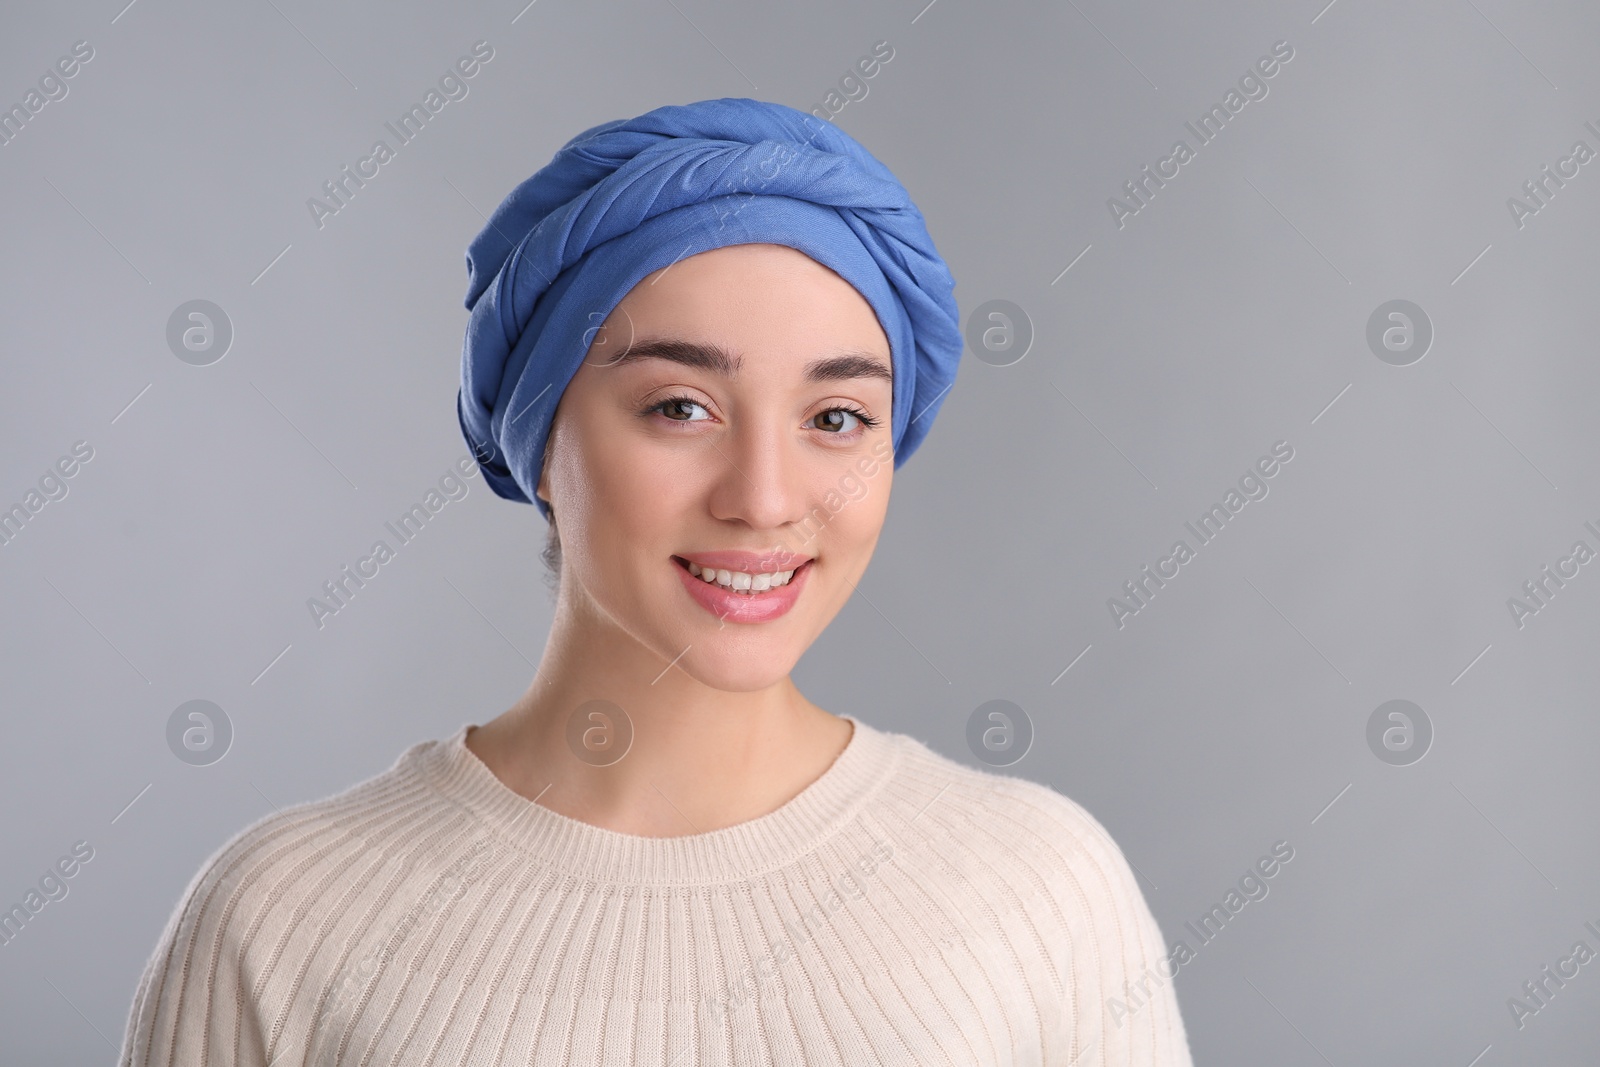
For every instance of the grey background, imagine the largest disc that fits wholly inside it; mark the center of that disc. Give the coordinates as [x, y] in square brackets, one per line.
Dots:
[1228, 314]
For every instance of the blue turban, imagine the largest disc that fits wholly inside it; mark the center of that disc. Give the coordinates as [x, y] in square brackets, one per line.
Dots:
[631, 196]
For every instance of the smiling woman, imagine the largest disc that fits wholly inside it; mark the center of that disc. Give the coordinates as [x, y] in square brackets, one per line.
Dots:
[710, 357]
[702, 431]
[675, 857]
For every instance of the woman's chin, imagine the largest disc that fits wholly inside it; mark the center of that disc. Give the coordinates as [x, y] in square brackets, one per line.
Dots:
[733, 668]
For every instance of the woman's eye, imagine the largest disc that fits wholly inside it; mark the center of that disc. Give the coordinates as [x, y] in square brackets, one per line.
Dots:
[834, 420]
[837, 422]
[680, 406]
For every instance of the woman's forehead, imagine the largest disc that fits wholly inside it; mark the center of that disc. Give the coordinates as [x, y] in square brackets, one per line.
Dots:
[814, 365]
[745, 306]
[772, 279]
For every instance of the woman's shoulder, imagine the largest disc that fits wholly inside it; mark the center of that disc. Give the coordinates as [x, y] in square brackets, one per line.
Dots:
[299, 860]
[1035, 888]
[1001, 821]
[289, 851]
[275, 901]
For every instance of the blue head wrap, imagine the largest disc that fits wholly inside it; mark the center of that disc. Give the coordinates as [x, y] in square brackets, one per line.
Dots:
[631, 196]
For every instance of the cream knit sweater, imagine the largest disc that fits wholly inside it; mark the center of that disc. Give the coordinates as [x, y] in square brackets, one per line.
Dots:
[902, 909]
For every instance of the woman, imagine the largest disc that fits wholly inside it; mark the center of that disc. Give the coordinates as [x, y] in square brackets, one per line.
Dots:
[701, 342]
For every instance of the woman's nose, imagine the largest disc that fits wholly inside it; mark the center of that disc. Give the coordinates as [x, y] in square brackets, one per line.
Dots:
[764, 483]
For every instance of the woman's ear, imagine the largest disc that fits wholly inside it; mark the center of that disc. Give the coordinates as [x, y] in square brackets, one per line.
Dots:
[542, 490]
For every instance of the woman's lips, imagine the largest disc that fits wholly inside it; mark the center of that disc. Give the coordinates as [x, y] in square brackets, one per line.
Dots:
[729, 606]
[770, 560]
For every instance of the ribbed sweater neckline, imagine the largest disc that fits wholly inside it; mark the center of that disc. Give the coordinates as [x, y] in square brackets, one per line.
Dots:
[595, 854]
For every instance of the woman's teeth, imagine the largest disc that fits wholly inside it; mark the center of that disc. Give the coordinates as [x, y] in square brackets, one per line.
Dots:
[739, 581]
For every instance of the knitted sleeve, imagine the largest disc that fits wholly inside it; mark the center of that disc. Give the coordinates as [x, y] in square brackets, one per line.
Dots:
[1126, 1006]
[194, 1003]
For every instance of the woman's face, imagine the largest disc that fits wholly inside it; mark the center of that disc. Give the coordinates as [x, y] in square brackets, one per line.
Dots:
[735, 402]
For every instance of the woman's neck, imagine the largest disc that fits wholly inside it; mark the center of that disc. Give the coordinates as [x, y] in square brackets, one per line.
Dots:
[699, 758]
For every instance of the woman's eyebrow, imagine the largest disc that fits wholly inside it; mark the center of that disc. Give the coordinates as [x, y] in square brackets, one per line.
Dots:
[713, 357]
